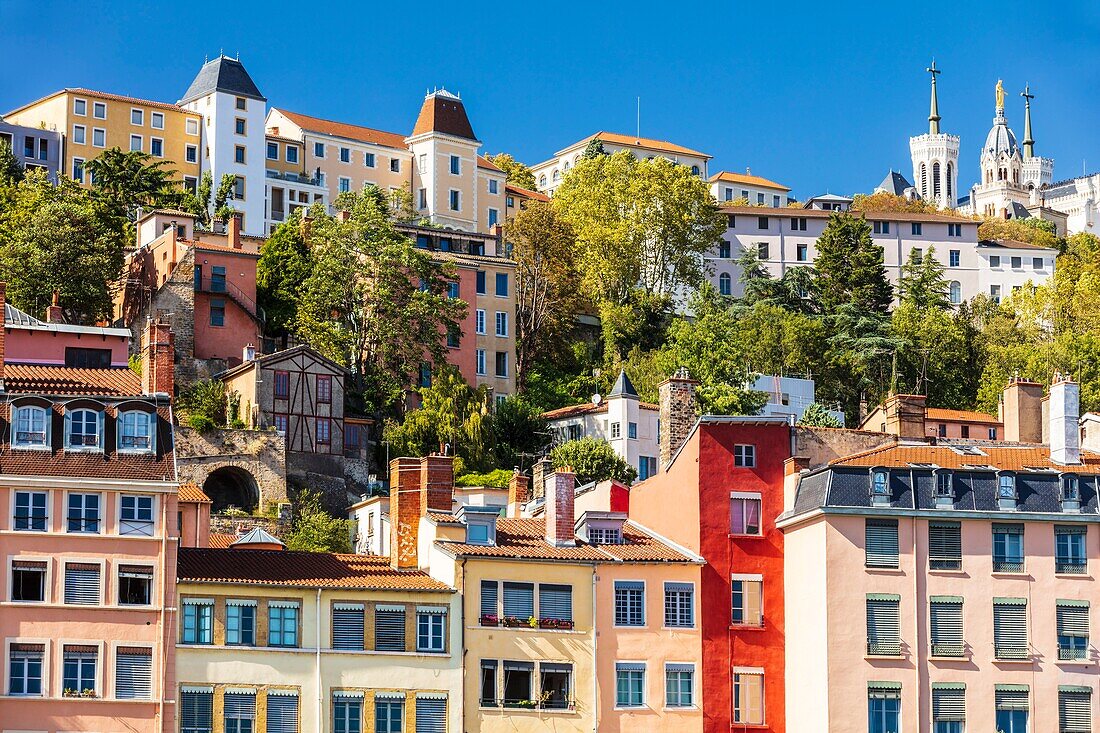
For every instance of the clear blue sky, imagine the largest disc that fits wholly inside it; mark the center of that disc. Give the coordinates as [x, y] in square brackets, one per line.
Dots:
[820, 96]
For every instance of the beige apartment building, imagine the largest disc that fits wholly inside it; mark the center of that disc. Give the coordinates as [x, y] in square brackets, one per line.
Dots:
[92, 122]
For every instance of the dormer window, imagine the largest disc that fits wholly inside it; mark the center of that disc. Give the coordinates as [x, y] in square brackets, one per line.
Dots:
[31, 427]
[945, 489]
[1071, 492]
[1006, 491]
[601, 528]
[880, 486]
[135, 431]
[479, 534]
[481, 524]
[605, 535]
[82, 429]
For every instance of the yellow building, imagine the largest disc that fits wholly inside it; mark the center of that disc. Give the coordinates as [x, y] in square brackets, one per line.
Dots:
[92, 122]
[298, 641]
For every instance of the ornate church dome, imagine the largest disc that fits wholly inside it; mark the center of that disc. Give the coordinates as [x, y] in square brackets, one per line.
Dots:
[1000, 138]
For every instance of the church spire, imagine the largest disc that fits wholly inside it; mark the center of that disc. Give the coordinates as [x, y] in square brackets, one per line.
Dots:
[934, 111]
[1029, 143]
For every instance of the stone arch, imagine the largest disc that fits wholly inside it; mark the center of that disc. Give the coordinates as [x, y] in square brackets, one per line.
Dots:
[232, 486]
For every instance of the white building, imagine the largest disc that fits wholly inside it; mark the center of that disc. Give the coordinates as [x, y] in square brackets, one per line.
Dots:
[828, 202]
[730, 186]
[788, 396]
[935, 158]
[233, 139]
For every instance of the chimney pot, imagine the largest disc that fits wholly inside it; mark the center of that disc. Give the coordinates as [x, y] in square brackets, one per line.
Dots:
[1021, 411]
[54, 314]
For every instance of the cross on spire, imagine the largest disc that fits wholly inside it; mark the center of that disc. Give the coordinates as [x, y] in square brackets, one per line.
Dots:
[934, 111]
[1029, 143]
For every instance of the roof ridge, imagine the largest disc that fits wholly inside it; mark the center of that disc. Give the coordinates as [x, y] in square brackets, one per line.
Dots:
[868, 452]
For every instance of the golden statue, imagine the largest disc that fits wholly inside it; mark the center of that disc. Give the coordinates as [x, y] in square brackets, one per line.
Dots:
[1000, 95]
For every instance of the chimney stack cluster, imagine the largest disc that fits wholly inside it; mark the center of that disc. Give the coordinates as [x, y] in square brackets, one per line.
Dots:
[417, 486]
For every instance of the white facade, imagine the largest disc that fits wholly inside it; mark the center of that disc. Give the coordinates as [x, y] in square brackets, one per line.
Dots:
[728, 186]
[615, 421]
[1005, 267]
[936, 158]
[788, 396]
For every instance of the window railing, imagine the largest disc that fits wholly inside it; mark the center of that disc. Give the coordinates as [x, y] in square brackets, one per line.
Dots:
[1072, 653]
[1003, 651]
[948, 650]
[529, 704]
[1008, 566]
[555, 623]
[884, 648]
[751, 623]
[944, 563]
[1070, 567]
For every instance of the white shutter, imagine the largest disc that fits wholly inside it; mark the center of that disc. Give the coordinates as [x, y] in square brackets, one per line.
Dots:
[347, 626]
[82, 583]
[883, 624]
[1074, 709]
[431, 715]
[134, 674]
[389, 629]
[881, 544]
[282, 711]
[555, 602]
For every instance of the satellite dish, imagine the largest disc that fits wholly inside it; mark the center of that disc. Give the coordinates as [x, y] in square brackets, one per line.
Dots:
[596, 399]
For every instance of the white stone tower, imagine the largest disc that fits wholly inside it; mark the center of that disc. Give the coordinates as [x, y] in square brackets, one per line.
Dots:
[1035, 171]
[936, 158]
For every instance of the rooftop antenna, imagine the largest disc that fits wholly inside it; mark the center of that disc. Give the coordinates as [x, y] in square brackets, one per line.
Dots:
[639, 127]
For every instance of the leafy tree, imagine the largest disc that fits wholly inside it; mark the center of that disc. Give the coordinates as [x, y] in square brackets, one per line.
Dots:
[11, 170]
[885, 201]
[59, 237]
[1032, 231]
[858, 356]
[204, 405]
[374, 303]
[498, 478]
[402, 206]
[817, 415]
[222, 209]
[849, 267]
[284, 266]
[314, 529]
[593, 149]
[932, 356]
[130, 181]
[519, 432]
[515, 172]
[592, 460]
[544, 248]
[922, 284]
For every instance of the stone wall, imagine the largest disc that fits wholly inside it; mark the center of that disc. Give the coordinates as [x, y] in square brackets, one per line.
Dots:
[821, 445]
[260, 453]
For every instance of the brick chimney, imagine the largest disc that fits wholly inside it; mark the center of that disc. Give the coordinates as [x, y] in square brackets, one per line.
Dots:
[405, 498]
[158, 358]
[1065, 431]
[677, 412]
[54, 314]
[437, 483]
[1021, 411]
[539, 471]
[233, 232]
[904, 415]
[792, 473]
[559, 510]
[518, 493]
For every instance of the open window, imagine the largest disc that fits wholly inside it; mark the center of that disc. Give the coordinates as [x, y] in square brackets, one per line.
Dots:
[28, 581]
[135, 585]
[880, 486]
[555, 685]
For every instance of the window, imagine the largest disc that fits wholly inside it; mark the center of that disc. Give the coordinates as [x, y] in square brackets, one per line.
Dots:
[955, 292]
[883, 625]
[1017, 263]
[745, 514]
[1074, 709]
[747, 601]
[953, 258]
[344, 185]
[82, 429]
[217, 312]
[1037, 263]
[324, 431]
[744, 456]
[762, 250]
[944, 546]
[282, 385]
[137, 117]
[25, 669]
[917, 229]
[995, 293]
[389, 628]
[555, 685]
[135, 143]
[945, 619]
[502, 363]
[480, 365]
[798, 224]
[760, 199]
[240, 623]
[422, 197]
[1073, 629]
[239, 712]
[632, 430]
[82, 583]
[604, 535]
[78, 669]
[348, 626]
[347, 714]
[748, 698]
[488, 697]
[456, 165]
[556, 605]
[502, 323]
[282, 624]
[1069, 550]
[198, 622]
[616, 430]
[502, 284]
[493, 186]
[395, 165]
[994, 260]
[519, 600]
[1006, 491]
[679, 605]
[28, 581]
[431, 629]
[79, 135]
[191, 154]
[282, 422]
[881, 227]
[1011, 702]
[494, 216]
[1008, 548]
[135, 585]
[30, 429]
[455, 201]
[479, 321]
[135, 431]
[517, 683]
[629, 603]
[99, 137]
[30, 511]
[291, 153]
[272, 150]
[137, 515]
[725, 284]
[134, 673]
[762, 222]
[881, 543]
[324, 388]
[679, 685]
[83, 513]
[345, 155]
[1010, 628]
[156, 148]
[318, 150]
[629, 684]
[480, 277]
[954, 230]
[948, 707]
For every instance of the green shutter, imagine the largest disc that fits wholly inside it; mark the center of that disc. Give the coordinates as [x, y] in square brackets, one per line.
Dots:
[1011, 697]
[946, 621]
[1072, 620]
[944, 545]
[883, 625]
[881, 542]
[1074, 711]
[948, 703]
[1009, 629]
[879, 689]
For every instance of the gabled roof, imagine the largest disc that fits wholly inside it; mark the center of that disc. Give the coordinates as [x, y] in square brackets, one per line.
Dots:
[968, 416]
[525, 193]
[623, 386]
[748, 179]
[280, 356]
[444, 113]
[223, 74]
[483, 162]
[345, 130]
[894, 183]
[190, 492]
[662, 146]
[104, 95]
[58, 380]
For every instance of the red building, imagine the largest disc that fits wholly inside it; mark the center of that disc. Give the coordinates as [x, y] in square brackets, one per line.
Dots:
[724, 475]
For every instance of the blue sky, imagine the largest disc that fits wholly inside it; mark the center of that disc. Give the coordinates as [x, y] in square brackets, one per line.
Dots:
[820, 96]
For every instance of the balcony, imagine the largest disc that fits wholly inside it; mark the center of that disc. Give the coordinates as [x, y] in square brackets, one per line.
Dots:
[294, 177]
[221, 286]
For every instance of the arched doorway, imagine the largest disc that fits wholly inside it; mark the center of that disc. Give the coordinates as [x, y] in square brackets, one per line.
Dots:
[231, 486]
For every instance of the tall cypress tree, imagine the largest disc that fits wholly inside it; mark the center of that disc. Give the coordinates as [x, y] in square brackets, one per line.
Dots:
[922, 283]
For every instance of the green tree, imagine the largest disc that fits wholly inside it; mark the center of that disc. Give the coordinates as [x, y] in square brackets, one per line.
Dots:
[374, 303]
[593, 149]
[932, 356]
[922, 284]
[11, 170]
[817, 415]
[59, 237]
[515, 172]
[592, 460]
[519, 432]
[222, 209]
[849, 267]
[284, 266]
[1031, 231]
[130, 181]
[314, 529]
[204, 405]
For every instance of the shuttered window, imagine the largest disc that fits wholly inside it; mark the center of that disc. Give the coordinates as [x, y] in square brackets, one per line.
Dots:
[282, 711]
[82, 583]
[519, 600]
[1073, 629]
[679, 605]
[389, 628]
[431, 714]
[196, 711]
[1010, 628]
[347, 626]
[1074, 709]
[946, 622]
[945, 545]
[134, 673]
[489, 592]
[883, 624]
[948, 703]
[882, 543]
[748, 698]
[629, 603]
[240, 712]
[556, 602]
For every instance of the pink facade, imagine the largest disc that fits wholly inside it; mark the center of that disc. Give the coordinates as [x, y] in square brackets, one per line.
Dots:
[225, 309]
[42, 346]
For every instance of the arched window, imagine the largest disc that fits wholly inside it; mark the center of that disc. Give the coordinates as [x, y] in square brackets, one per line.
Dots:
[556, 175]
[936, 180]
[135, 431]
[31, 427]
[725, 284]
[82, 429]
[542, 180]
[566, 166]
[694, 170]
[950, 175]
[956, 292]
[923, 181]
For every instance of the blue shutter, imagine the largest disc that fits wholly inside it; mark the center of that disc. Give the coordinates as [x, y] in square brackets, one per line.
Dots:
[347, 626]
[431, 714]
[282, 711]
[519, 600]
[556, 602]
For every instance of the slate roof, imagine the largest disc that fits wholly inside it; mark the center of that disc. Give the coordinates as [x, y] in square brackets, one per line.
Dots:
[444, 113]
[223, 74]
[894, 183]
[623, 386]
[299, 570]
[345, 130]
[1019, 211]
[58, 380]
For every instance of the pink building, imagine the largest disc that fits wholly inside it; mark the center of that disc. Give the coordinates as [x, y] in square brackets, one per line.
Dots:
[53, 342]
[88, 546]
[908, 416]
[944, 585]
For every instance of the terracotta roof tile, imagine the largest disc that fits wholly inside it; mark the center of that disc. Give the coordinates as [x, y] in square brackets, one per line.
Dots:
[902, 216]
[748, 179]
[299, 569]
[483, 162]
[191, 492]
[112, 97]
[56, 380]
[938, 413]
[587, 409]
[443, 518]
[221, 541]
[1001, 456]
[345, 130]
[525, 193]
[444, 113]
[662, 146]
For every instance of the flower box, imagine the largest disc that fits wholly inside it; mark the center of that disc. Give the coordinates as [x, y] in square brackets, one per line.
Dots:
[489, 619]
[555, 623]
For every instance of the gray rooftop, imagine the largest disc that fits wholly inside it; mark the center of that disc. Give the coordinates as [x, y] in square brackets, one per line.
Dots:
[623, 387]
[894, 183]
[223, 74]
[15, 318]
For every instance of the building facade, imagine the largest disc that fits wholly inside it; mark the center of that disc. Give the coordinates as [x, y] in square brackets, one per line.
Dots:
[727, 186]
[935, 158]
[908, 416]
[34, 147]
[290, 185]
